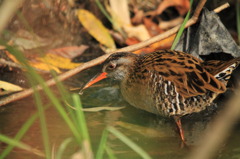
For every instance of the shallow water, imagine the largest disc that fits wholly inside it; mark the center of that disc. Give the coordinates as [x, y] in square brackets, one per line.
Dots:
[156, 135]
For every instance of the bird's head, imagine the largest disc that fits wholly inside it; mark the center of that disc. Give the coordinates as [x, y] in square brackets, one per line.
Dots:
[116, 66]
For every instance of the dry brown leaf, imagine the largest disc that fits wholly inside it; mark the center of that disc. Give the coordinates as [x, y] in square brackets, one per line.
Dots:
[138, 17]
[96, 28]
[140, 32]
[53, 60]
[57, 61]
[43, 66]
[118, 37]
[131, 41]
[25, 40]
[153, 28]
[70, 51]
[120, 12]
[163, 44]
[144, 50]
[7, 88]
[181, 5]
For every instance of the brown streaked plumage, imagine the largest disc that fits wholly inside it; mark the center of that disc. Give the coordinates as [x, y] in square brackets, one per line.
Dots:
[168, 83]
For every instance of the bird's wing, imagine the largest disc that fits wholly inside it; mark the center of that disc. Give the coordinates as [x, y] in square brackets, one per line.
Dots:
[185, 71]
[215, 66]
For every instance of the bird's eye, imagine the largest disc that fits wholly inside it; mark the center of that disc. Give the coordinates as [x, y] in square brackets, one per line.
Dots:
[111, 66]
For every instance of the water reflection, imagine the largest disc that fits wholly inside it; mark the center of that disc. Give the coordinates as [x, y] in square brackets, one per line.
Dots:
[154, 134]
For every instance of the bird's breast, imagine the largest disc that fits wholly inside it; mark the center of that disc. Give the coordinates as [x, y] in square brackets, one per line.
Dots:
[137, 91]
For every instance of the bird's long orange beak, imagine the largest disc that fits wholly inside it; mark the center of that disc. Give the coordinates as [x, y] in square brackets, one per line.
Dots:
[95, 79]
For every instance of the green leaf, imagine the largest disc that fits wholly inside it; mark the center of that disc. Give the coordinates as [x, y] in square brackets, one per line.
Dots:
[181, 29]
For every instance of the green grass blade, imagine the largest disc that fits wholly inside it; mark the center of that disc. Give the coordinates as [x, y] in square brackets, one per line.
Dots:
[10, 141]
[63, 113]
[39, 79]
[66, 97]
[110, 153]
[43, 122]
[128, 142]
[104, 11]
[111, 20]
[80, 116]
[238, 19]
[19, 144]
[19, 135]
[180, 32]
[102, 145]
[59, 107]
[46, 89]
[62, 147]
[82, 125]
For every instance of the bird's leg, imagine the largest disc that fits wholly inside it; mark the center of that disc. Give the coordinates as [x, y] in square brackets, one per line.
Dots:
[180, 129]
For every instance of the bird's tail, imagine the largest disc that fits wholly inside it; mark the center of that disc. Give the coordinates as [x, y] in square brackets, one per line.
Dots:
[222, 70]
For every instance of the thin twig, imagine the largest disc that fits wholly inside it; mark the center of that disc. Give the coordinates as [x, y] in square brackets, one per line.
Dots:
[100, 59]
[222, 7]
[9, 63]
[198, 11]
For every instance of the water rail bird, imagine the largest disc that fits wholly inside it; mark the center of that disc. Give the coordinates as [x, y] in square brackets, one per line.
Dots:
[167, 83]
